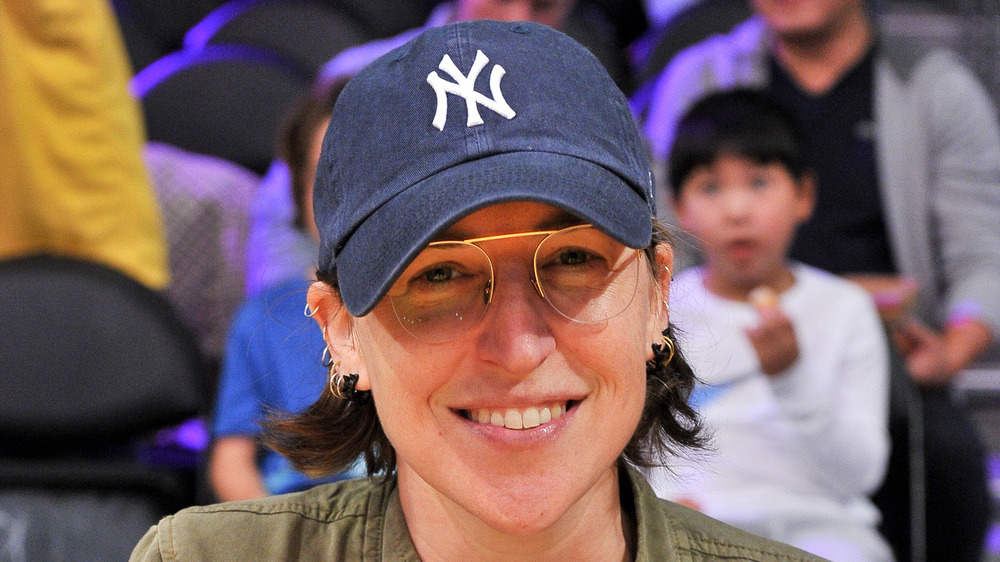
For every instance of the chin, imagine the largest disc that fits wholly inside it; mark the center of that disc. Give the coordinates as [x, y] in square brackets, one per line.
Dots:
[802, 35]
[522, 520]
[527, 505]
[807, 24]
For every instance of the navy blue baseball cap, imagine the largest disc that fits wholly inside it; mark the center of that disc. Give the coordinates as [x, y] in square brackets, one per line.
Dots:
[462, 117]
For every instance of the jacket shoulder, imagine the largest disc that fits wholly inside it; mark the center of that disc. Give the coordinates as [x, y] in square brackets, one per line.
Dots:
[669, 531]
[704, 538]
[272, 528]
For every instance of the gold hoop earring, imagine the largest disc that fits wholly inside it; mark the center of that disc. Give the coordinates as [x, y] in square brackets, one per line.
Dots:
[344, 386]
[335, 380]
[338, 382]
[669, 343]
[663, 352]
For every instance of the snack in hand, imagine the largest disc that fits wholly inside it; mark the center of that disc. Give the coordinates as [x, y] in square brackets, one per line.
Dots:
[763, 297]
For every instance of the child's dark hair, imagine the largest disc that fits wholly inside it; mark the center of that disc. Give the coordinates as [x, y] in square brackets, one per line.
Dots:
[295, 136]
[741, 122]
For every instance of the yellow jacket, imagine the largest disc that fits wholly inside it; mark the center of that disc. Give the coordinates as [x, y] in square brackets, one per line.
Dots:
[72, 179]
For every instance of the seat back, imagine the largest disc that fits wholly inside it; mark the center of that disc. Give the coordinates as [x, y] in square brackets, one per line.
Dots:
[690, 25]
[153, 28]
[89, 357]
[226, 101]
[385, 18]
[305, 32]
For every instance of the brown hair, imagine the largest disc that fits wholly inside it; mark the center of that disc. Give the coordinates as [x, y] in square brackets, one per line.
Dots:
[296, 135]
[330, 435]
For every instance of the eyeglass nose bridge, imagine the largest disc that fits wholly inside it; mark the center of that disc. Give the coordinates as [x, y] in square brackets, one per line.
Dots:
[488, 290]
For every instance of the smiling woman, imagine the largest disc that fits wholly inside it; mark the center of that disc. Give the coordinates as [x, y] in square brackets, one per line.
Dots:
[491, 289]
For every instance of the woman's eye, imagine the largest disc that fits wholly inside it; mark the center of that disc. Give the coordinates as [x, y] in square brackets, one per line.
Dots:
[439, 274]
[574, 261]
[759, 182]
[573, 257]
[568, 258]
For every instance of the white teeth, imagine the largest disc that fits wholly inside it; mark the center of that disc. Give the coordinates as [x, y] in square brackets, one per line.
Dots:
[518, 419]
[530, 418]
[512, 419]
[557, 411]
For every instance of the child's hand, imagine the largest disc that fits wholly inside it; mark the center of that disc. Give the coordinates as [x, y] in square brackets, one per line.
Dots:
[774, 338]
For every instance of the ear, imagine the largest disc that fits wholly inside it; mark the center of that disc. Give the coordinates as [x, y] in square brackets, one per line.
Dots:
[338, 330]
[660, 311]
[807, 196]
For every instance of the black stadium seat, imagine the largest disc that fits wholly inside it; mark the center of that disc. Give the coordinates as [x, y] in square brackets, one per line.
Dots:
[226, 101]
[92, 363]
[305, 32]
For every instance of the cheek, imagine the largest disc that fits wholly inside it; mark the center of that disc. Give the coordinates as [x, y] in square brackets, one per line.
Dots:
[403, 385]
[628, 370]
[780, 223]
[699, 217]
[621, 351]
[402, 377]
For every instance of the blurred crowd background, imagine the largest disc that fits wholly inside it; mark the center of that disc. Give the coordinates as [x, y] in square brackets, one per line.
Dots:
[117, 435]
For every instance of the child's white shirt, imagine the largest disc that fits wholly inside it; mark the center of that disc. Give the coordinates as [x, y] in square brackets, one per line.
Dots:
[810, 443]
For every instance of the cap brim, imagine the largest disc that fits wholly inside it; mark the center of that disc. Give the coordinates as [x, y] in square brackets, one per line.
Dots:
[385, 243]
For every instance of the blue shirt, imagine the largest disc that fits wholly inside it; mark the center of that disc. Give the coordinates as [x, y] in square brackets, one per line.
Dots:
[272, 360]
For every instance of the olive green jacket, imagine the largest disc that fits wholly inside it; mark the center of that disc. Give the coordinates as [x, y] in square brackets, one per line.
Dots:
[363, 520]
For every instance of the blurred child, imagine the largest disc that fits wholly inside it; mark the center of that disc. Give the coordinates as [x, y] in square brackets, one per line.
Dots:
[793, 360]
[273, 354]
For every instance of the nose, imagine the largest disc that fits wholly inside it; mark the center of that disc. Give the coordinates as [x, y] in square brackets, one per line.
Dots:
[736, 203]
[515, 332]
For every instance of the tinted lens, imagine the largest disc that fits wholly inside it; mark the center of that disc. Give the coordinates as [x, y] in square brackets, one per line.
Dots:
[585, 274]
[444, 292]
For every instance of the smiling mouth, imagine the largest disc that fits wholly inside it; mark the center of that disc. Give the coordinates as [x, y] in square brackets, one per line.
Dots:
[518, 418]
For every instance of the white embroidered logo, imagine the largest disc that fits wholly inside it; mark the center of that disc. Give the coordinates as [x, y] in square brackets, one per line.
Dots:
[465, 86]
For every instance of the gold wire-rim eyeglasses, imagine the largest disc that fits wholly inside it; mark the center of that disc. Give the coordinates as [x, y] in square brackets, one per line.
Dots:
[625, 259]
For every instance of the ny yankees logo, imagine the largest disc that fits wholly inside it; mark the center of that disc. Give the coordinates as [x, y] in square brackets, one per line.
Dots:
[465, 86]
